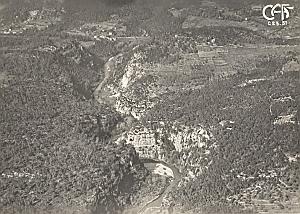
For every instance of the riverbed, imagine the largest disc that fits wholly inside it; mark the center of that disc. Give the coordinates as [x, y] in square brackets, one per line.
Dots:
[156, 202]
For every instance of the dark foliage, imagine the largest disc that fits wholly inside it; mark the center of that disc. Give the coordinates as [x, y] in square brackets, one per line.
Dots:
[55, 146]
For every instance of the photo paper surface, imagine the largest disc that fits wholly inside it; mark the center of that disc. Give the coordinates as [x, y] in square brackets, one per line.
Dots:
[149, 106]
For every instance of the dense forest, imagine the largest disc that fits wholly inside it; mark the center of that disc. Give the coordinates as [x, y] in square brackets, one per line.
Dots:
[252, 148]
[56, 143]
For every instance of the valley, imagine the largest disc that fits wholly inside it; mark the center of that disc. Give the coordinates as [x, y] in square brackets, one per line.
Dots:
[148, 107]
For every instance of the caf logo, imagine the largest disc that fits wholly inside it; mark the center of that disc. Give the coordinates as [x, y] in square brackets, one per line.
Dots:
[269, 11]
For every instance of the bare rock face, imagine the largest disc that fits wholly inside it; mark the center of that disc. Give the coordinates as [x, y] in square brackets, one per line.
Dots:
[132, 70]
[292, 66]
[126, 85]
[161, 141]
[184, 137]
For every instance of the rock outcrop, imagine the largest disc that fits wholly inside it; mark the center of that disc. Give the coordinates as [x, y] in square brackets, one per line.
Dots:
[161, 141]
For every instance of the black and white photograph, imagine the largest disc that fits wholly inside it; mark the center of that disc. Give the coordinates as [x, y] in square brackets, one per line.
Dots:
[149, 106]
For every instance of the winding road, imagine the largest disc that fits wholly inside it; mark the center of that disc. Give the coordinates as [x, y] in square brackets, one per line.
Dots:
[155, 203]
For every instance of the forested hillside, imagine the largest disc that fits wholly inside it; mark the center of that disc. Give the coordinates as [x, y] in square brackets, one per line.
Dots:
[137, 106]
[55, 140]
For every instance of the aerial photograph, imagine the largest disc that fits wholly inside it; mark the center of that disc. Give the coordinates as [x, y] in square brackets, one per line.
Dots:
[149, 106]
